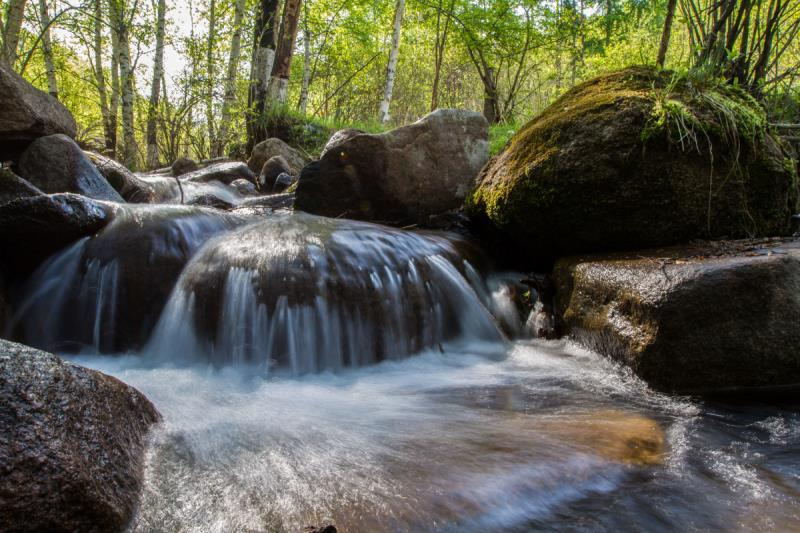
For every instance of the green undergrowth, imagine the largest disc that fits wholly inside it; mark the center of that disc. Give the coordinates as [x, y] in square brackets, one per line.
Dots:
[499, 135]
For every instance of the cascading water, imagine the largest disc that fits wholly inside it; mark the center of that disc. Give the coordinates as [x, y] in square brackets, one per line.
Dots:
[314, 294]
[473, 433]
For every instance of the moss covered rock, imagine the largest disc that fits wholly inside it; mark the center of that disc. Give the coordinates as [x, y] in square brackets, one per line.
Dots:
[633, 159]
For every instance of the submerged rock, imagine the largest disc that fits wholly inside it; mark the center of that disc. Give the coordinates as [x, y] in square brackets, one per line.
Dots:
[266, 150]
[72, 444]
[402, 176]
[12, 187]
[28, 114]
[56, 164]
[32, 229]
[630, 160]
[244, 187]
[709, 318]
[132, 188]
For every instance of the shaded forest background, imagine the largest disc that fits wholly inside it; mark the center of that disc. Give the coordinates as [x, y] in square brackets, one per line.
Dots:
[150, 81]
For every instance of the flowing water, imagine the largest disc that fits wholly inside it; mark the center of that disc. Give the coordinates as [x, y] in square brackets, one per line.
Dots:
[316, 371]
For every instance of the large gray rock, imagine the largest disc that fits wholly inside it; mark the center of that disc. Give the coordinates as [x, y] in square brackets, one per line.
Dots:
[72, 444]
[28, 113]
[716, 317]
[338, 138]
[132, 188]
[225, 173]
[184, 165]
[401, 176]
[56, 164]
[270, 148]
[12, 187]
[34, 228]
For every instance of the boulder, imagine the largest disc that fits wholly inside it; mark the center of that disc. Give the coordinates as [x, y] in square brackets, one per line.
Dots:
[338, 138]
[184, 165]
[34, 228]
[274, 201]
[634, 159]
[401, 176]
[222, 172]
[12, 187]
[209, 200]
[265, 150]
[704, 318]
[282, 182]
[56, 164]
[28, 114]
[72, 443]
[132, 188]
[274, 167]
[244, 187]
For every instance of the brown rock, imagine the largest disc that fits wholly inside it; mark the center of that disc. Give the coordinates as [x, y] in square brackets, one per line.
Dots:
[132, 188]
[72, 444]
[265, 150]
[402, 176]
[12, 187]
[705, 318]
[184, 165]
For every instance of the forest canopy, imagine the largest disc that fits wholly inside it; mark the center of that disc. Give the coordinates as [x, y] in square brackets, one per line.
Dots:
[150, 81]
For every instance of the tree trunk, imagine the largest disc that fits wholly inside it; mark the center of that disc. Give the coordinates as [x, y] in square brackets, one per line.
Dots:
[303, 105]
[665, 35]
[441, 45]
[263, 59]
[279, 84]
[211, 72]
[15, 12]
[126, 74]
[47, 49]
[115, 90]
[491, 100]
[230, 80]
[155, 86]
[391, 70]
[101, 78]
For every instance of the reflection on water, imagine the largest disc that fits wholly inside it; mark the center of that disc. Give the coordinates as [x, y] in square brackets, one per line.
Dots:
[546, 436]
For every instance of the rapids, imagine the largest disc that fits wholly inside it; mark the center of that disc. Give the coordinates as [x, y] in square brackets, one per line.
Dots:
[315, 370]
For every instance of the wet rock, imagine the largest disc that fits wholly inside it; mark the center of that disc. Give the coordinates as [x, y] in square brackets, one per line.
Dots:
[209, 200]
[601, 169]
[184, 165]
[28, 114]
[12, 187]
[282, 182]
[3, 306]
[403, 176]
[339, 138]
[274, 201]
[56, 164]
[126, 183]
[222, 172]
[244, 187]
[72, 444]
[704, 318]
[330, 528]
[34, 228]
[274, 167]
[265, 150]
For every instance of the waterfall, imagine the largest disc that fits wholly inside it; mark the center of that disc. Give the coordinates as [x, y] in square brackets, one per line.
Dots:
[309, 294]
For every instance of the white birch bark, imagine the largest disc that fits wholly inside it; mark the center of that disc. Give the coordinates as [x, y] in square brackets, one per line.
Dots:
[47, 49]
[303, 105]
[383, 113]
[230, 80]
[155, 86]
[15, 12]
[126, 75]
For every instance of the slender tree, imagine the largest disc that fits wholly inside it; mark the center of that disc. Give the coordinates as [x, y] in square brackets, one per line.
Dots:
[121, 26]
[109, 131]
[263, 59]
[665, 35]
[155, 86]
[279, 83]
[391, 70]
[15, 12]
[229, 98]
[211, 70]
[47, 49]
[442, 29]
[303, 103]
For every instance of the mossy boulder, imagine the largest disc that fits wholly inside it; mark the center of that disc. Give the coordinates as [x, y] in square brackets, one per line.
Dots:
[636, 158]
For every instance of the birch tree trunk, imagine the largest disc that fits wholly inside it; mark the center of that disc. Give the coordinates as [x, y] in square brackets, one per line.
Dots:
[100, 78]
[279, 83]
[15, 12]
[129, 148]
[302, 106]
[391, 70]
[230, 80]
[114, 104]
[155, 86]
[211, 72]
[47, 49]
[263, 59]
